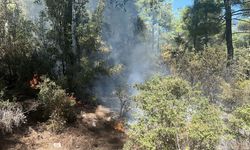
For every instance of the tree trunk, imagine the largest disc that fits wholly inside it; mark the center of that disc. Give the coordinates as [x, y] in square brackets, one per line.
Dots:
[206, 32]
[229, 39]
[73, 28]
[67, 48]
[195, 42]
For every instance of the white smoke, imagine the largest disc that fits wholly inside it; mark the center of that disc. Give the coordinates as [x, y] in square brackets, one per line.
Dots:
[136, 53]
[31, 9]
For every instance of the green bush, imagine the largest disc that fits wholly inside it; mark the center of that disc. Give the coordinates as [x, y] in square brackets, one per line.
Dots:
[205, 128]
[239, 124]
[57, 105]
[206, 68]
[235, 94]
[175, 116]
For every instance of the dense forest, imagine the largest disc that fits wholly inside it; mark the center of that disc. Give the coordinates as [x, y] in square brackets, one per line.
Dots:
[125, 74]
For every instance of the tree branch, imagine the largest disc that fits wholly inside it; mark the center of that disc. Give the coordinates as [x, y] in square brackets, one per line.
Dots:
[242, 10]
[242, 32]
[241, 13]
[241, 20]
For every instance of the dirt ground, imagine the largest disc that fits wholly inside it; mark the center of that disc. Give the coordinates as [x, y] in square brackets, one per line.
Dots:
[81, 135]
[72, 138]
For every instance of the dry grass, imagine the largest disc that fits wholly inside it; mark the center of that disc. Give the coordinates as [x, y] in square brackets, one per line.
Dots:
[11, 116]
[77, 137]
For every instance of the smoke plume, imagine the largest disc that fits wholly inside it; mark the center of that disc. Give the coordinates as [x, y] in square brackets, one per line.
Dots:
[131, 45]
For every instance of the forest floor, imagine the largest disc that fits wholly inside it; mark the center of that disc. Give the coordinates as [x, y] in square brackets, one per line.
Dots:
[74, 137]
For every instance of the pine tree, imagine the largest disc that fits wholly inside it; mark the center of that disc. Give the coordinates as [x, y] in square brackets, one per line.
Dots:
[202, 22]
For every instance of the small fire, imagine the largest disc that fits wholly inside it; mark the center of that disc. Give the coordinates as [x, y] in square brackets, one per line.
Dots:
[35, 81]
[73, 99]
[119, 126]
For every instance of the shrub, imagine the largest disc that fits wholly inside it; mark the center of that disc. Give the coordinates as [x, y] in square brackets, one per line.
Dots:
[57, 105]
[205, 128]
[242, 68]
[11, 116]
[124, 101]
[235, 94]
[206, 68]
[175, 116]
[240, 122]
[239, 127]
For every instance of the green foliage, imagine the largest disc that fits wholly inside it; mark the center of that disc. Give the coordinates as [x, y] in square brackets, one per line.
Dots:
[93, 60]
[57, 105]
[236, 94]
[242, 36]
[155, 12]
[80, 53]
[202, 22]
[174, 117]
[239, 123]
[205, 69]
[16, 43]
[157, 16]
[242, 66]
[206, 128]
[223, 84]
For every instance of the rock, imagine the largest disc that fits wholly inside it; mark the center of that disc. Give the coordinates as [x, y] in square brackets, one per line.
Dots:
[101, 116]
[102, 112]
[89, 119]
[57, 145]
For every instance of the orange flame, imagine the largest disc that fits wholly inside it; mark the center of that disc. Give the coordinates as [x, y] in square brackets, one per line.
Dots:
[119, 126]
[35, 81]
